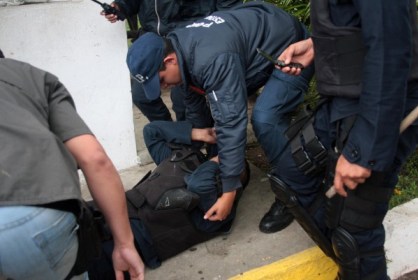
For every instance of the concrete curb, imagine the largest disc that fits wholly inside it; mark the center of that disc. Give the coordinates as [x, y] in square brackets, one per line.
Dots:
[310, 264]
[401, 246]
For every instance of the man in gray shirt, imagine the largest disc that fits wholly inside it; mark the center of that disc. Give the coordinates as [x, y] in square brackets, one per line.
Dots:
[43, 143]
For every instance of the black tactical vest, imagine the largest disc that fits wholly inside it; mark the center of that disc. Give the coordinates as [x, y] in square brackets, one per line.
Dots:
[172, 231]
[339, 54]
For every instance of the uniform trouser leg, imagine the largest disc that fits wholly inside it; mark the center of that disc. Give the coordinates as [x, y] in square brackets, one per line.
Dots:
[152, 109]
[288, 197]
[358, 252]
[281, 95]
[159, 134]
[364, 244]
[203, 181]
[370, 238]
[306, 188]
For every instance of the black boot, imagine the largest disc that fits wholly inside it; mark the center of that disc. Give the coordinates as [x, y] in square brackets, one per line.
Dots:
[276, 219]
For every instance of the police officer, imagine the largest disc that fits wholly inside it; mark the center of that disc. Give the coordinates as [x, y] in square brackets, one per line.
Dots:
[217, 58]
[161, 17]
[369, 82]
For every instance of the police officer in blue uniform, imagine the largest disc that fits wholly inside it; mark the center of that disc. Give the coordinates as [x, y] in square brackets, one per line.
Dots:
[366, 61]
[161, 17]
[217, 57]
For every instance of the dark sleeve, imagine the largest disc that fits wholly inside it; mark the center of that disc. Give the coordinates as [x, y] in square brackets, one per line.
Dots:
[197, 110]
[63, 119]
[224, 82]
[373, 139]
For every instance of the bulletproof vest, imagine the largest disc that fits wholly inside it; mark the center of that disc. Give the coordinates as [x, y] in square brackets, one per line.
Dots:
[339, 54]
[172, 231]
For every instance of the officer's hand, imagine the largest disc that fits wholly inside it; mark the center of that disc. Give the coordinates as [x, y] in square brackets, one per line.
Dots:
[301, 52]
[215, 159]
[111, 17]
[207, 135]
[349, 174]
[222, 207]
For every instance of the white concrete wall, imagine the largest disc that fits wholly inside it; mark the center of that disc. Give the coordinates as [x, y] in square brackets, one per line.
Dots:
[87, 53]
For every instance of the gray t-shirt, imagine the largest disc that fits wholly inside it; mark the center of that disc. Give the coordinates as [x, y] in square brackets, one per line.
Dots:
[37, 115]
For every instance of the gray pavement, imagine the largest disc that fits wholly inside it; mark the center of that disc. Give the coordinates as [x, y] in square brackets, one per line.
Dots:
[243, 249]
[246, 248]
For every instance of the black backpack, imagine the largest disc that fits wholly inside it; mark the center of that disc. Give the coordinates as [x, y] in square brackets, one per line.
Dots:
[171, 229]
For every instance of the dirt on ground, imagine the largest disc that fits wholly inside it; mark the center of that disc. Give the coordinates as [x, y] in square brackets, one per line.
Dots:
[256, 156]
[409, 276]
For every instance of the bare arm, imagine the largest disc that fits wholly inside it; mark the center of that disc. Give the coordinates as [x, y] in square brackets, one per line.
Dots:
[107, 190]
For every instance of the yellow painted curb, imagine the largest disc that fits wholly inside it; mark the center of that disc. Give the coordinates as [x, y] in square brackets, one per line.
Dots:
[311, 264]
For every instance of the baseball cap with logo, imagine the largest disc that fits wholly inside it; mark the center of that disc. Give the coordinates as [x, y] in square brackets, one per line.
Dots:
[144, 59]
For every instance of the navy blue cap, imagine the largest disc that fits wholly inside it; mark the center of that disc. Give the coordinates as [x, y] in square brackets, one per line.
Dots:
[144, 59]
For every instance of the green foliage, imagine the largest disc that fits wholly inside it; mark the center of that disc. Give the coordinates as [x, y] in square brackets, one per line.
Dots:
[298, 8]
[407, 188]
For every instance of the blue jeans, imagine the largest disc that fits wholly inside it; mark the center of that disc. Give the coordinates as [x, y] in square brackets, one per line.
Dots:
[36, 242]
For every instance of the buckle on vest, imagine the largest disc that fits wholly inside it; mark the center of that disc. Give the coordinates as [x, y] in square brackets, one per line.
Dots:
[312, 159]
[318, 151]
[303, 160]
